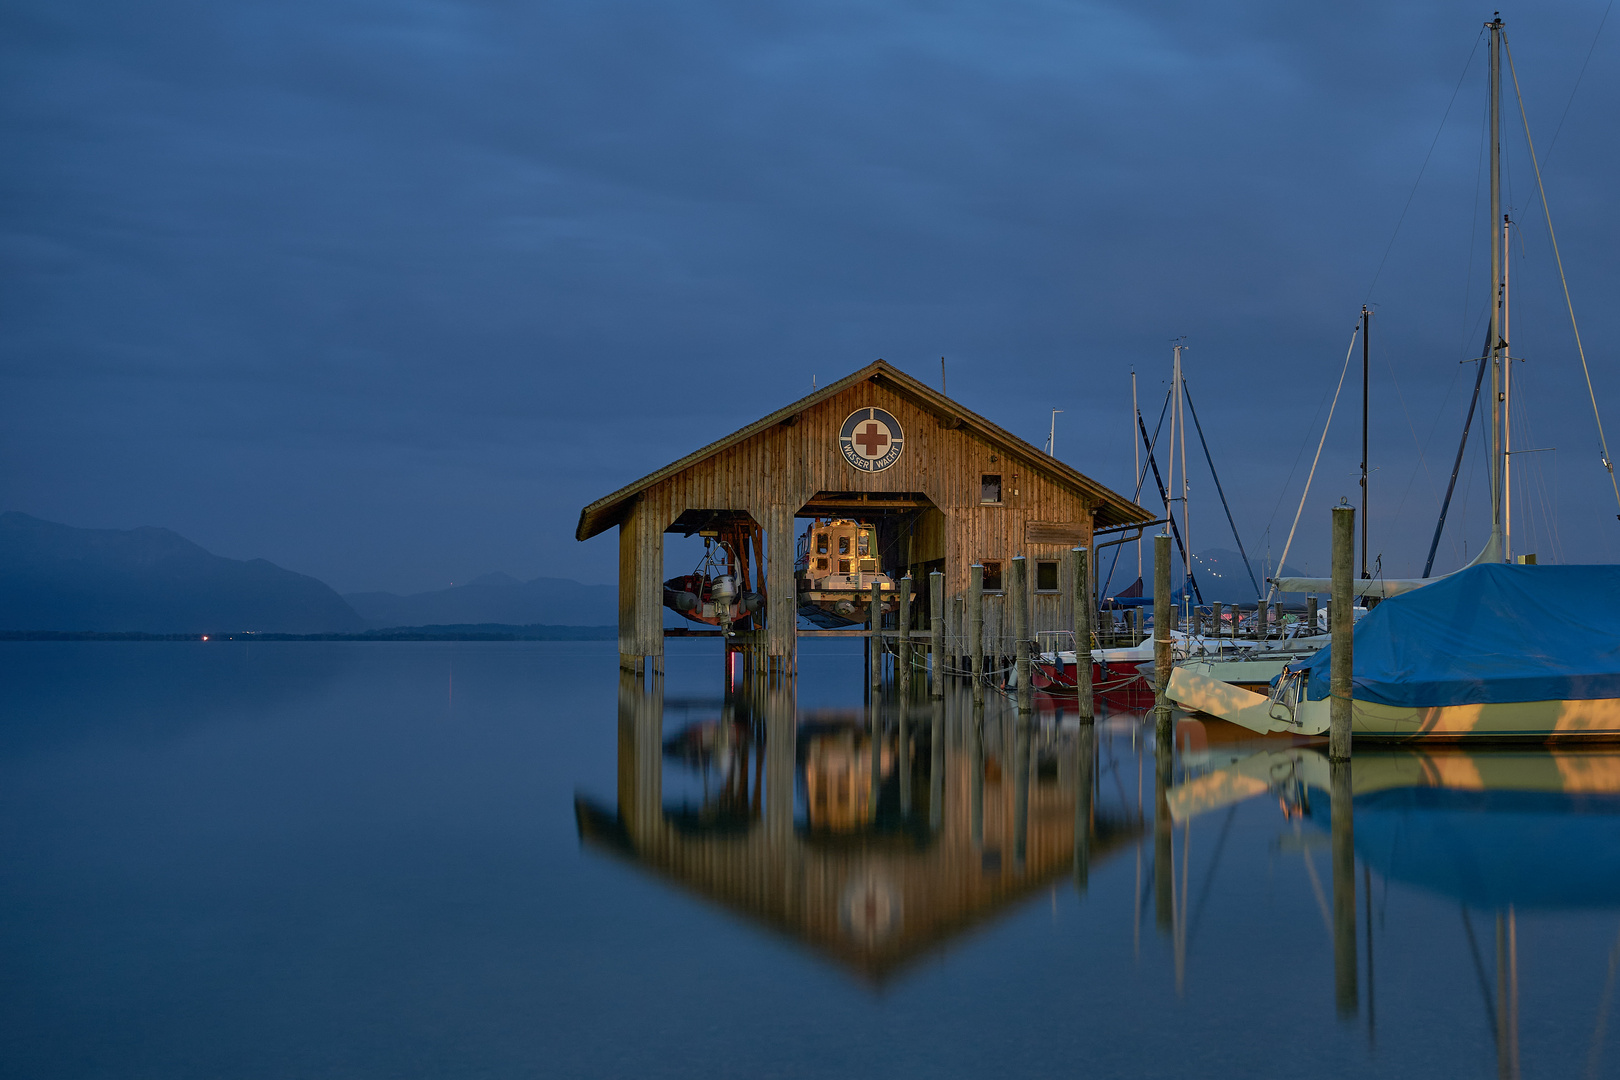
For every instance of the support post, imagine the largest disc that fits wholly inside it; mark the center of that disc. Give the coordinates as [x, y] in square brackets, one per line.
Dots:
[1161, 634]
[1277, 618]
[1217, 609]
[875, 620]
[936, 627]
[1261, 630]
[1018, 600]
[1311, 609]
[957, 632]
[1082, 633]
[1344, 555]
[976, 628]
[902, 652]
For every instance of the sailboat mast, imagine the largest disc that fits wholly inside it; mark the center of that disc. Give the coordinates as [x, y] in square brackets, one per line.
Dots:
[1507, 402]
[1496, 280]
[1136, 477]
[1365, 327]
[1186, 526]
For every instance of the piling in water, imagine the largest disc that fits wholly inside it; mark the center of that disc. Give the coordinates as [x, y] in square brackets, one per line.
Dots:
[1162, 640]
[1082, 633]
[1339, 711]
[936, 627]
[1018, 600]
[976, 628]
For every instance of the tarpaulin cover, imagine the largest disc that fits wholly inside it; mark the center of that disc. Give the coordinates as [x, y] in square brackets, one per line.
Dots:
[1489, 634]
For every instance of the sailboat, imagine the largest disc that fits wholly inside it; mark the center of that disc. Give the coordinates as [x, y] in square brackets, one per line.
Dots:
[1491, 651]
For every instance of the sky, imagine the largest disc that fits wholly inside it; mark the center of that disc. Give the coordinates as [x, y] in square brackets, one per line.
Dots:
[386, 292]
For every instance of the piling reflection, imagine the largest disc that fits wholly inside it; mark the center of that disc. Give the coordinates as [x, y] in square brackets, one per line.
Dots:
[872, 835]
[1496, 832]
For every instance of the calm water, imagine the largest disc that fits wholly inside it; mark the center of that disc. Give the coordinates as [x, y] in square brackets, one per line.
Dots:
[493, 860]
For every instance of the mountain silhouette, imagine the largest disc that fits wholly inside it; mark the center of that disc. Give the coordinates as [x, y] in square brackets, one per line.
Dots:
[57, 577]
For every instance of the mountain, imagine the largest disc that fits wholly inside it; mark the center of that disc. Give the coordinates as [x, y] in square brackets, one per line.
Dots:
[494, 598]
[56, 577]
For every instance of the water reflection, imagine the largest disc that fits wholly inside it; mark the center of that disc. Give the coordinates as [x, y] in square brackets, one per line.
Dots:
[873, 835]
[879, 835]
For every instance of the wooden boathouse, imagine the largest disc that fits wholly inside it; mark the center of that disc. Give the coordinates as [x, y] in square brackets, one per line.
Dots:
[945, 487]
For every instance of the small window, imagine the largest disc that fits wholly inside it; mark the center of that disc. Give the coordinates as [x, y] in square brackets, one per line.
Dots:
[821, 564]
[992, 577]
[863, 544]
[1046, 576]
[989, 492]
[843, 566]
[821, 544]
[843, 545]
[868, 566]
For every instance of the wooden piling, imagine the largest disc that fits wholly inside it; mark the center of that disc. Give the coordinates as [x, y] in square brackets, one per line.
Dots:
[1018, 600]
[976, 628]
[1162, 641]
[1277, 619]
[1344, 554]
[936, 627]
[1217, 609]
[956, 633]
[1261, 630]
[902, 655]
[1311, 609]
[1082, 633]
[875, 620]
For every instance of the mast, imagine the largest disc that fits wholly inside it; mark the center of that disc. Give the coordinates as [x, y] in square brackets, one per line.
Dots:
[1180, 428]
[1499, 293]
[1365, 326]
[1507, 401]
[1136, 476]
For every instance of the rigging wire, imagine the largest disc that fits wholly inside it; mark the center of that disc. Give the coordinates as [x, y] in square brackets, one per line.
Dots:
[1554, 141]
[1608, 462]
[1432, 144]
[1271, 589]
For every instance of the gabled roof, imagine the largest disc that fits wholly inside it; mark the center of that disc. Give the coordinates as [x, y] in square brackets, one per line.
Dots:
[1112, 507]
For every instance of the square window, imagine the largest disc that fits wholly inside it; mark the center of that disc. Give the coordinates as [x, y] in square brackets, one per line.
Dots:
[821, 543]
[821, 564]
[1046, 576]
[868, 566]
[989, 489]
[843, 545]
[843, 566]
[992, 576]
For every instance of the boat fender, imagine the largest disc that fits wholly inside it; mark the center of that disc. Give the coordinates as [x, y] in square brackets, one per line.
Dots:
[680, 601]
[751, 602]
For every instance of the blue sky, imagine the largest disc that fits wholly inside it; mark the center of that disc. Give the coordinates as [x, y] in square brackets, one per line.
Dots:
[385, 292]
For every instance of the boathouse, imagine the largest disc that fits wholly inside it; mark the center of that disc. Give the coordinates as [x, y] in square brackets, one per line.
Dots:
[944, 487]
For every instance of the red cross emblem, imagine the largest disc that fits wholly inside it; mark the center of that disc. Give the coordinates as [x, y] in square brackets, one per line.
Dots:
[872, 440]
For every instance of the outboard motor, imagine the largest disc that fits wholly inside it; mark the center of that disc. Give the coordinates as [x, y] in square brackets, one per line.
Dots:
[723, 590]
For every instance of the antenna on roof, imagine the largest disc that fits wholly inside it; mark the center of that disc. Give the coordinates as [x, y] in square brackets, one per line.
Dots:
[942, 375]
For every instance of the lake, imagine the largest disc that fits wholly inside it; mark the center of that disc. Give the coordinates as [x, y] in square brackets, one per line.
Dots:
[500, 859]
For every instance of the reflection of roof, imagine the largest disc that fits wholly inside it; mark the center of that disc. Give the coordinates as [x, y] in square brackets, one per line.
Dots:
[1112, 507]
[873, 907]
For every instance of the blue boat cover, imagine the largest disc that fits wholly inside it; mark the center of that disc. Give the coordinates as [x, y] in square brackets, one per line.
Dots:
[1489, 634]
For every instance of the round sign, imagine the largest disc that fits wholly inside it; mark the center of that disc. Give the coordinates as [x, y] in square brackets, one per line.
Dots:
[871, 440]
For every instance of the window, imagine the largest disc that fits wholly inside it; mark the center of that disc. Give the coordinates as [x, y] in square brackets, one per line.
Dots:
[843, 566]
[1046, 576]
[989, 492]
[863, 544]
[821, 545]
[868, 566]
[821, 564]
[843, 545]
[992, 576]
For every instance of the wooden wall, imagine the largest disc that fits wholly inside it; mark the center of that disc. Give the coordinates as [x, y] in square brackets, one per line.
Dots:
[776, 472]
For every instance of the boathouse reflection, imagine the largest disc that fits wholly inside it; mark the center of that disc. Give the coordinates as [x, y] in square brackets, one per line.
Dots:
[871, 835]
